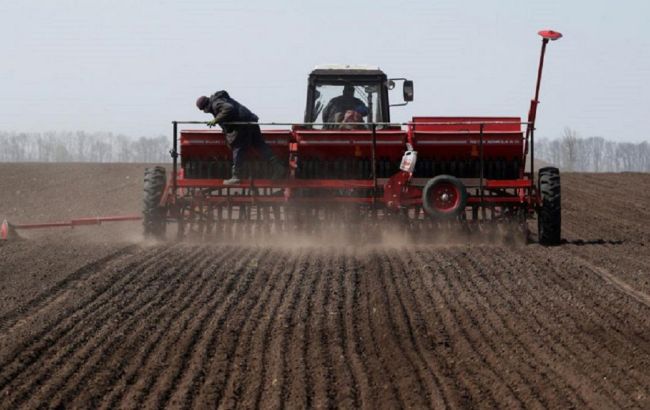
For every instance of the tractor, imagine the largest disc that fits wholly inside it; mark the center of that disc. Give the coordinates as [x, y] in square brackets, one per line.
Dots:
[421, 174]
[358, 171]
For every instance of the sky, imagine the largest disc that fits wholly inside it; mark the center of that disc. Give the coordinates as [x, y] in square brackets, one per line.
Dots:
[132, 67]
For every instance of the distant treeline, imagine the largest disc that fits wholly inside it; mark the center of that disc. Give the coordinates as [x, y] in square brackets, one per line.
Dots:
[569, 152]
[593, 154]
[82, 146]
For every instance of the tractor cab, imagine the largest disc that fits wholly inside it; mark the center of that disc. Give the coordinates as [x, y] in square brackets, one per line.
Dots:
[343, 96]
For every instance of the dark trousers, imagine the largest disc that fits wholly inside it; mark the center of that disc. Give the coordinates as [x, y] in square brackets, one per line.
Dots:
[248, 136]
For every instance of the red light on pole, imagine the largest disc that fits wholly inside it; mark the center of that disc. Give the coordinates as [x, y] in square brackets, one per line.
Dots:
[550, 35]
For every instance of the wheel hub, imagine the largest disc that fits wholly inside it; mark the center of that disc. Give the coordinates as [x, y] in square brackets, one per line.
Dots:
[445, 197]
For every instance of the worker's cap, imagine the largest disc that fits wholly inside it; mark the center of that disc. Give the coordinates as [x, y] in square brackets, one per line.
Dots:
[202, 102]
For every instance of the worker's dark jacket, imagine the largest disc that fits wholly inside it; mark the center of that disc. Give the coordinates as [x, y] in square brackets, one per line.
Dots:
[225, 110]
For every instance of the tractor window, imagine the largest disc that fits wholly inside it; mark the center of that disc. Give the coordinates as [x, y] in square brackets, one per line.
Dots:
[345, 104]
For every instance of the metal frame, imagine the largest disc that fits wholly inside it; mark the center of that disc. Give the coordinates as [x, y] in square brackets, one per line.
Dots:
[487, 193]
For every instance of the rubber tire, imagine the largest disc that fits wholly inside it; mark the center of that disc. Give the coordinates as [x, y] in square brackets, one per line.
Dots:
[433, 211]
[549, 214]
[153, 215]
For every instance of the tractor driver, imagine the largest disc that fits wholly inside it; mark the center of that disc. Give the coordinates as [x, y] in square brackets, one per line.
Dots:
[345, 108]
[240, 138]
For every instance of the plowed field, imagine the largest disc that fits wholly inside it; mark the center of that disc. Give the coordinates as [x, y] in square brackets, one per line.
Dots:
[95, 318]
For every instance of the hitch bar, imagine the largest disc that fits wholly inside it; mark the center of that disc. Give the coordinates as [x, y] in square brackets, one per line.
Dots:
[7, 229]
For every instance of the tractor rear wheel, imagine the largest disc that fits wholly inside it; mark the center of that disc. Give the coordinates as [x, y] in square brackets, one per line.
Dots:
[549, 214]
[153, 215]
[444, 197]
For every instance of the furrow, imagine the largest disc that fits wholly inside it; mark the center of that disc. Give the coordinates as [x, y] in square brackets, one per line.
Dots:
[487, 337]
[466, 362]
[174, 356]
[59, 364]
[586, 351]
[203, 293]
[308, 377]
[431, 380]
[357, 356]
[318, 352]
[551, 326]
[428, 330]
[521, 358]
[480, 376]
[142, 377]
[638, 313]
[73, 327]
[59, 313]
[345, 351]
[606, 307]
[222, 345]
[256, 332]
[380, 342]
[271, 350]
[293, 365]
[53, 293]
[342, 388]
[112, 340]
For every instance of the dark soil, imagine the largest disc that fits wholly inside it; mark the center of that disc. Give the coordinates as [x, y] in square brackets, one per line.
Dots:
[95, 318]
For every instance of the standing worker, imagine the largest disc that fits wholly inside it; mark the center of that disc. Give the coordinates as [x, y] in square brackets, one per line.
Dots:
[239, 137]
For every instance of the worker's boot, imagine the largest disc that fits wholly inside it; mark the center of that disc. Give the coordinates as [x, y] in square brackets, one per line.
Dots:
[234, 179]
[279, 169]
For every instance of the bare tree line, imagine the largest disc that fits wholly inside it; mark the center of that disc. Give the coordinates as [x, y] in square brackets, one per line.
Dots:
[593, 154]
[81, 146]
[570, 152]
